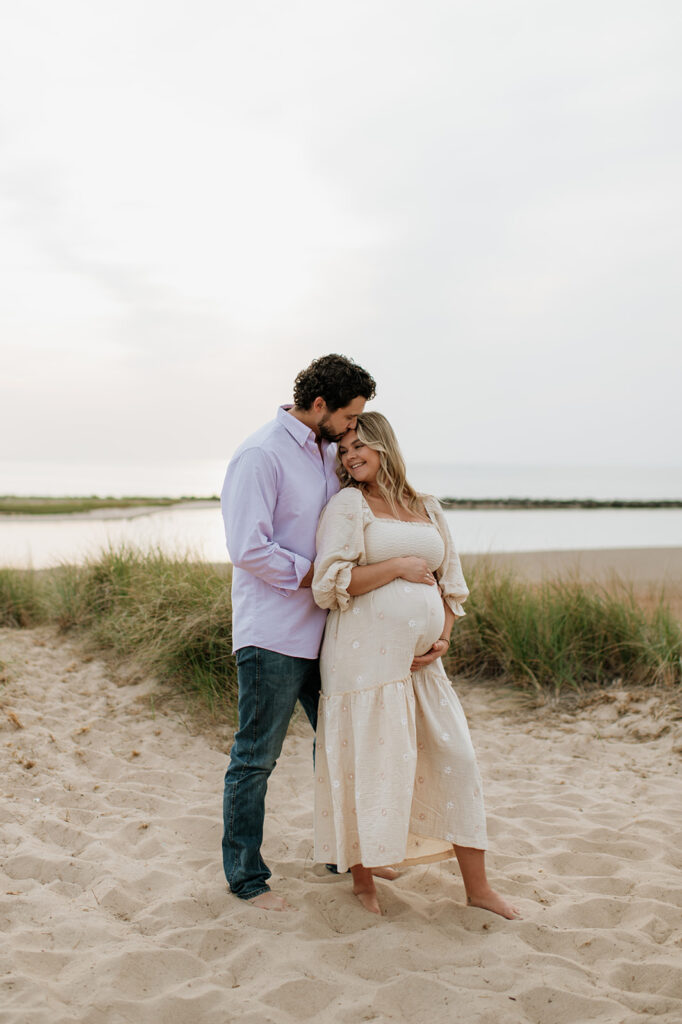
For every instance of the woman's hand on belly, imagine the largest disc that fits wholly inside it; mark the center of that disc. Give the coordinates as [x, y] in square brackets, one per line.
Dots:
[415, 569]
[365, 578]
[437, 650]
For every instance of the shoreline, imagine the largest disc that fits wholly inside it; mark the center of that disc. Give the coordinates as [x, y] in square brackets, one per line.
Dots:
[651, 573]
[548, 504]
[27, 509]
[653, 566]
[642, 566]
[119, 510]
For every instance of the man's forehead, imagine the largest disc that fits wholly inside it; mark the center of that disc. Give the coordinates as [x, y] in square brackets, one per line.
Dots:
[355, 406]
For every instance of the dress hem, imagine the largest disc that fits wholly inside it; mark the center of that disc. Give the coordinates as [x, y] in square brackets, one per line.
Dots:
[427, 858]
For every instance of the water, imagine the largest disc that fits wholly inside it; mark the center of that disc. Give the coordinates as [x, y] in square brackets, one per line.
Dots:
[39, 542]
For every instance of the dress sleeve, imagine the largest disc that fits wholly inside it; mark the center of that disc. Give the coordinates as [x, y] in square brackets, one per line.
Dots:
[449, 574]
[340, 547]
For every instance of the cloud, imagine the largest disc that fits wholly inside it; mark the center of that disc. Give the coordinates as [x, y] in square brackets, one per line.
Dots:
[477, 201]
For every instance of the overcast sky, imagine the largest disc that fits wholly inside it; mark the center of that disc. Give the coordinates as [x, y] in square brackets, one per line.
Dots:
[479, 201]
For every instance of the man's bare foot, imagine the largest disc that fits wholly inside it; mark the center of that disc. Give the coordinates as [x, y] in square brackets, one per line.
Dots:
[390, 874]
[488, 899]
[268, 901]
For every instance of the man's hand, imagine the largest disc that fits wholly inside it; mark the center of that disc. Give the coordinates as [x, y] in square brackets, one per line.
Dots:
[308, 578]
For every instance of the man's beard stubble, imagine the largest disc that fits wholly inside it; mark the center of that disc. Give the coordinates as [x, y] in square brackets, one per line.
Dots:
[325, 434]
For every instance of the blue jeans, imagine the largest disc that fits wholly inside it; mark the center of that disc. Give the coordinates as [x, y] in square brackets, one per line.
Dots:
[269, 686]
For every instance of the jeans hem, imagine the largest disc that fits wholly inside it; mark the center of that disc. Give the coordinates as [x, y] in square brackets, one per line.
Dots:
[251, 895]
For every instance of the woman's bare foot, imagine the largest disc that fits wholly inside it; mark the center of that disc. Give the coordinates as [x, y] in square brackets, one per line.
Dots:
[488, 899]
[364, 888]
[479, 893]
[390, 874]
[368, 898]
[269, 901]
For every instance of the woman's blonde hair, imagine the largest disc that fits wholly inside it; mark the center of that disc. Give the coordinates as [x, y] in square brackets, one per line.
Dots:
[376, 432]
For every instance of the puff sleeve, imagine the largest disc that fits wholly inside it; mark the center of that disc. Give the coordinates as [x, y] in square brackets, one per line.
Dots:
[340, 547]
[449, 574]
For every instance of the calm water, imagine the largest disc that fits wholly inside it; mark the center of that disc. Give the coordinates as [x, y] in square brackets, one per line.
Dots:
[39, 542]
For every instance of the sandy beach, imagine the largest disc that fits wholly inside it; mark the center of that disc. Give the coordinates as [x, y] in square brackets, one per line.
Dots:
[643, 567]
[649, 571]
[114, 907]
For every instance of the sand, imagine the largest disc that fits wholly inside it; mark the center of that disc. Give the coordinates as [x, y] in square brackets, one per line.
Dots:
[650, 572]
[114, 907]
[643, 567]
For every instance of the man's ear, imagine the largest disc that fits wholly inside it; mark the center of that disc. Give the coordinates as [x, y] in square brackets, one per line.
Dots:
[319, 405]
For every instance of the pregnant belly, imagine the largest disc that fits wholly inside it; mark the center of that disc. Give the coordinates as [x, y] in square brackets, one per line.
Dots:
[411, 615]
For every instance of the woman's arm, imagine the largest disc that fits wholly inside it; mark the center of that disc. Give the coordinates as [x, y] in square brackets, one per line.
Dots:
[450, 620]
[340, 548]
[340, 572]
[439, 647]
[364, 578]
[451, 580]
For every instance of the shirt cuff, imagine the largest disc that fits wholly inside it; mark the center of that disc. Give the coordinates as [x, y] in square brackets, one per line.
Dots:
[301, 567]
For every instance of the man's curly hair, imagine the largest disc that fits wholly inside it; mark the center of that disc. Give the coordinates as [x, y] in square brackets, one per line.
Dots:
[335, 378]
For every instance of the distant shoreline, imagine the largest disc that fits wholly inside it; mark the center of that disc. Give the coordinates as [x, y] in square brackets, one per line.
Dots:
[95, 507]
[551, 503]
[110, 508]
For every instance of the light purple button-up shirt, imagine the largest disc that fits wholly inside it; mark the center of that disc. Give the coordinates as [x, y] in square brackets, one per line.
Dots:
[276, 485]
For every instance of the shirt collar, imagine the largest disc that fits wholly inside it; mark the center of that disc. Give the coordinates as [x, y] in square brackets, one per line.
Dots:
[298, 430]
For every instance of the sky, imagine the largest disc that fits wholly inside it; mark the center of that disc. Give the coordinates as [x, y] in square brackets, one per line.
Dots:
[478, 201]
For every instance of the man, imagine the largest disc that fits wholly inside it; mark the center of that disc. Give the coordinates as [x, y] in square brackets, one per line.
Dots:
[276, 485]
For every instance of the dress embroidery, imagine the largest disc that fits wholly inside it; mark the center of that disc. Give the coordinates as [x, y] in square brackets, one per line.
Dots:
[396, 743]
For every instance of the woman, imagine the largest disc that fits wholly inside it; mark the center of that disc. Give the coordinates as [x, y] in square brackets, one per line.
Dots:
[396, 775]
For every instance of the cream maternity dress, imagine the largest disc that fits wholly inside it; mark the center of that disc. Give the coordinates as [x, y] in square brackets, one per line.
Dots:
[396, 779]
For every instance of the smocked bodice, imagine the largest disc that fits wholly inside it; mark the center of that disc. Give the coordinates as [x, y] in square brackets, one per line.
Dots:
[391, 538]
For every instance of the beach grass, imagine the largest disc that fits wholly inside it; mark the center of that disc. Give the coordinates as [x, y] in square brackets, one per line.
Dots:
[565, 634]
[172, 616]
[20, 598]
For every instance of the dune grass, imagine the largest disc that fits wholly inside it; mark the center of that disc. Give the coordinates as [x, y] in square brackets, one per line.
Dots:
[20, 600]
[564, 634]
[173, 617]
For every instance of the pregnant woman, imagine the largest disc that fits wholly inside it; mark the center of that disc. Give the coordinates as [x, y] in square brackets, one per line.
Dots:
[396, 779]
